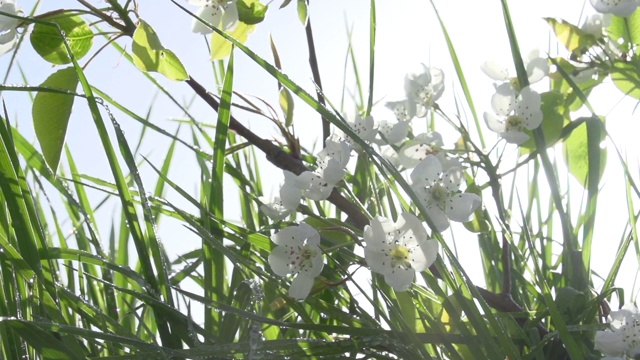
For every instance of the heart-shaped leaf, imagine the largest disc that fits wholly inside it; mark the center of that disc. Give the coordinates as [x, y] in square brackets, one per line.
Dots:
[49, 43]
[149, 54]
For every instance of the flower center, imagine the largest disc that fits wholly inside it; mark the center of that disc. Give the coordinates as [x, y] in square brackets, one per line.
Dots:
[400, 257]
[439, 195]
[302, 259]
[425, 95]
[515, 122]
[515, 84]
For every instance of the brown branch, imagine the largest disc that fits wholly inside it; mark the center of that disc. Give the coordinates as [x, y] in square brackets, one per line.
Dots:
[279, 157]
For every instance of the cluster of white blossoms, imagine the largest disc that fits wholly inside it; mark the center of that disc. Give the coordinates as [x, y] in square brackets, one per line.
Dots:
[396, 250]
[222, 14]
[622, 339]
[516, 109]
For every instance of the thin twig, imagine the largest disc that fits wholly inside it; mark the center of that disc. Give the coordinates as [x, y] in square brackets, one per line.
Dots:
[313, 63]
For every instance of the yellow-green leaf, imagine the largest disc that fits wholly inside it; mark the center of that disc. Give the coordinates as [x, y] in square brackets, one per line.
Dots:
[221, 48]
[572, 37]
[51, 112]
[626, 76]
[576, 151]
[149, 54]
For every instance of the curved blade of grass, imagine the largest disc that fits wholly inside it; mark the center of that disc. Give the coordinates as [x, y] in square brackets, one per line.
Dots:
[214, 263]
[460, 73]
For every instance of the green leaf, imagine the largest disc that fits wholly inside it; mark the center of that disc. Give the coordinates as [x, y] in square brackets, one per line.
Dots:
[572, 37]
[625, 28]
[552, 121]
[285, 3]
[221, 48]
[49, 43]
[251, 11]
[559, 84]
[286, 103]
[576, 151]
[626, 76]
[51, 112]
[149, 54]
[303, 11]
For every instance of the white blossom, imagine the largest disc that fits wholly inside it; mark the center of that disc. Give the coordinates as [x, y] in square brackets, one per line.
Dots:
[363, 127]
[8, 26]
[285, 204]
[439, 192]
[416, 149]
[398, 250]
[424, 88]
[514, 113]
[617, 7]
[596, 24]
[392, 132]
[623, 337]
[218, 13]
[318, 184]
[404, 110]
[335, 148]
[537, 68]
[297, 254]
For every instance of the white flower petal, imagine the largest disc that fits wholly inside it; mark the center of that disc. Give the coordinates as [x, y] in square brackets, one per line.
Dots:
[452, 179]
[537, 69]
[8, 41]
[377, 261]
[494, 123]
[424, 255]
[230, 17]
[290, 196]
[279, 261]
[393, 132]
[317, 263]
[515, 137]
[416, 149]
[610, 343]
[461, 206]
[400, 279]
[274, 209]
[495, 71]
[301, 287]
[308, 232]
[315, 187]
[391, 155]
[404, 110]
[438, 218]
[504, 100]
[375, 234]
[210, 14]
[528, 107]
[8, 23]
[427, 172]
[332, 172]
